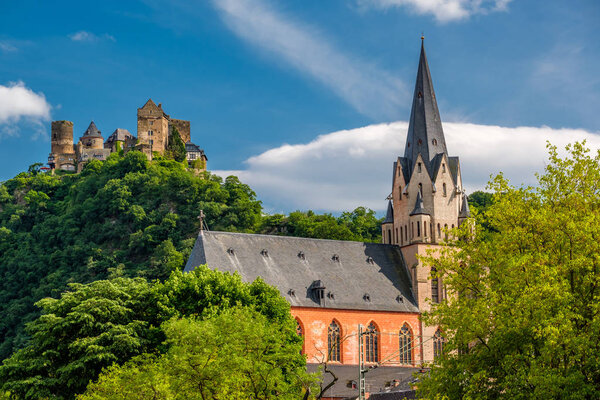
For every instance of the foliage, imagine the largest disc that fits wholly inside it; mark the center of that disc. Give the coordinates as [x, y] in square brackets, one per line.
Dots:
[480, 201]
[176, 148]
[96, 325]
[237, 354]
[360, 225]
[125, 213]
[523, 310]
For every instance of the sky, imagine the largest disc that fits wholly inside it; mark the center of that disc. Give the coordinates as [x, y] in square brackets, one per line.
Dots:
[307, 102]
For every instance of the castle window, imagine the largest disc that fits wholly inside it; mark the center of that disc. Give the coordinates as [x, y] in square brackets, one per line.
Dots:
[334, 342]
[435, 290]
[151, 142]
[438, 344]
[405, 345]
[151, 123]
[150, 133]
[419, 167]
[444, 190]
[371, 344]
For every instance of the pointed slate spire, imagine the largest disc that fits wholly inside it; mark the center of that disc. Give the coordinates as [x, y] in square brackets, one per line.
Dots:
[425, 133]
[464, 209]
[389, 217]
[92, 130]
[419, 209]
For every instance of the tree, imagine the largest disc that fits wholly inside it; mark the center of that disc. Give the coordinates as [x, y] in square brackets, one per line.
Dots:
[105, 322]
[238, 354]
[522, 316]
[176, 148]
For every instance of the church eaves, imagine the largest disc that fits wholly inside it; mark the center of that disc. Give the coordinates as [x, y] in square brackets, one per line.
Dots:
[425, 133]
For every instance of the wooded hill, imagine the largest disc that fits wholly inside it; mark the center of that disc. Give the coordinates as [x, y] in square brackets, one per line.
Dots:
[126, 217]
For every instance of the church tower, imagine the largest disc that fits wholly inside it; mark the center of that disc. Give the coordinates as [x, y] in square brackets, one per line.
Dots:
[427, 196]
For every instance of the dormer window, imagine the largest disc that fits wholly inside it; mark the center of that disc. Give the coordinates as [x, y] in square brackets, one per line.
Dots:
[317, 289]
[301, 256]
[335, 258]
[264, 253]
[367, 297]
[230, 251]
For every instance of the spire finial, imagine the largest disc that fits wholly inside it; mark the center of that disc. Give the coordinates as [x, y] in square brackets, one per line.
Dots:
[422, 37]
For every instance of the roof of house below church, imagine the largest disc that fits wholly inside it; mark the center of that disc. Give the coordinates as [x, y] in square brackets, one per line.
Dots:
[313, 272]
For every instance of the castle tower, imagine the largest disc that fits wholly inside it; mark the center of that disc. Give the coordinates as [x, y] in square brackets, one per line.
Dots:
[62, 152]
[153, 127]
[92, 138]
[427, 195]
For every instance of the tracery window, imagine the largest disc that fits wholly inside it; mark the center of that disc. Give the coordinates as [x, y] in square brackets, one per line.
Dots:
[333, 341]
[298, 328]
[372, 344]
[438, 344]
[405, 345]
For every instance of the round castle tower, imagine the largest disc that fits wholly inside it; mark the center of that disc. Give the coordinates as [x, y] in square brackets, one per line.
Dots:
[92, 138]
[62, 137]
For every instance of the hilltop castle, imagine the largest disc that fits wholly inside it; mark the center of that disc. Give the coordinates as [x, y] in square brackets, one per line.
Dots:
[154, 132]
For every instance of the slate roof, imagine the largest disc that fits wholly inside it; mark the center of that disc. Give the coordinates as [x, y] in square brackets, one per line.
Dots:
[365, 276]
[376, 379]
[425, 133]
[389, 217]
[419, 208]
[465, 212]
[92, 131]
[119, 135]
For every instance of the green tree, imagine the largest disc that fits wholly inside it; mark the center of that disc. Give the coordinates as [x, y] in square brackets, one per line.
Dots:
[480, 200]
[522, 316]
[238, 354]
[110, 321]
[176, 148]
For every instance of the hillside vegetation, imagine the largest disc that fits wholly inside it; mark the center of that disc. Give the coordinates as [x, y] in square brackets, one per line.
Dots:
[126, 217]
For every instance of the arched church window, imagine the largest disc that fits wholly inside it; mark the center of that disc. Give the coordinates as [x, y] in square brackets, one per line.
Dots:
[418, 228]
[443, 167]
[421, 188]
[333, 341]
[439, 231]
[397, 235]
[444, 190]
[445, 231]
[406, 232]
[424, 229]
[400, 192]
[419, 167]
[298, 328]
[389, 236]
[371, 344]
[435, 290]
[438, 344]
[405, 345]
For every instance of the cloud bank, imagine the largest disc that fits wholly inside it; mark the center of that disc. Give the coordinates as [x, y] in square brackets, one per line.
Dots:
[364, 86]
[19, 104]
[441, 10]
[341, 170]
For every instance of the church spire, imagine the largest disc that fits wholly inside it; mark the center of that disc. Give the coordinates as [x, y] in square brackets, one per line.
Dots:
[425, 133]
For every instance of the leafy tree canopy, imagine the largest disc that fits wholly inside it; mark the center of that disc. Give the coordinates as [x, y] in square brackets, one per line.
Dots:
[176, 148]
[523, 309]
[108, 322]
[238, 354]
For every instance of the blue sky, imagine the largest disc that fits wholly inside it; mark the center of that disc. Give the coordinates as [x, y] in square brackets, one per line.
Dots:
[306, 101]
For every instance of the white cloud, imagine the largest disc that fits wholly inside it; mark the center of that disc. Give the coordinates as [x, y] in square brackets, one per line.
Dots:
[7, 46]
[342, 170]
[363, 85]
[85, 36]
[442, 10]
[19, 104]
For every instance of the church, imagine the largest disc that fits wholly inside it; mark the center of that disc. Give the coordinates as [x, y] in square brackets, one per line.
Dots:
[334, 287]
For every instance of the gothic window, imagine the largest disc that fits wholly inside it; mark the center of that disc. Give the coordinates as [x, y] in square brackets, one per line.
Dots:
[445, 231]
[424, 229]
[298, 328]
[421, 189]
[396, 235]
[435, 296]
[150, 133]
[419, 167]
[401, 237]
[389, 236]
[371, 344]
[438, 344]
[333, 341]
[406, 232]
[412, 229]
[151, 142]
[418, 228]
[400, 192]
[405, 345]
[443, 167]
[439, 231]
[444, 190]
